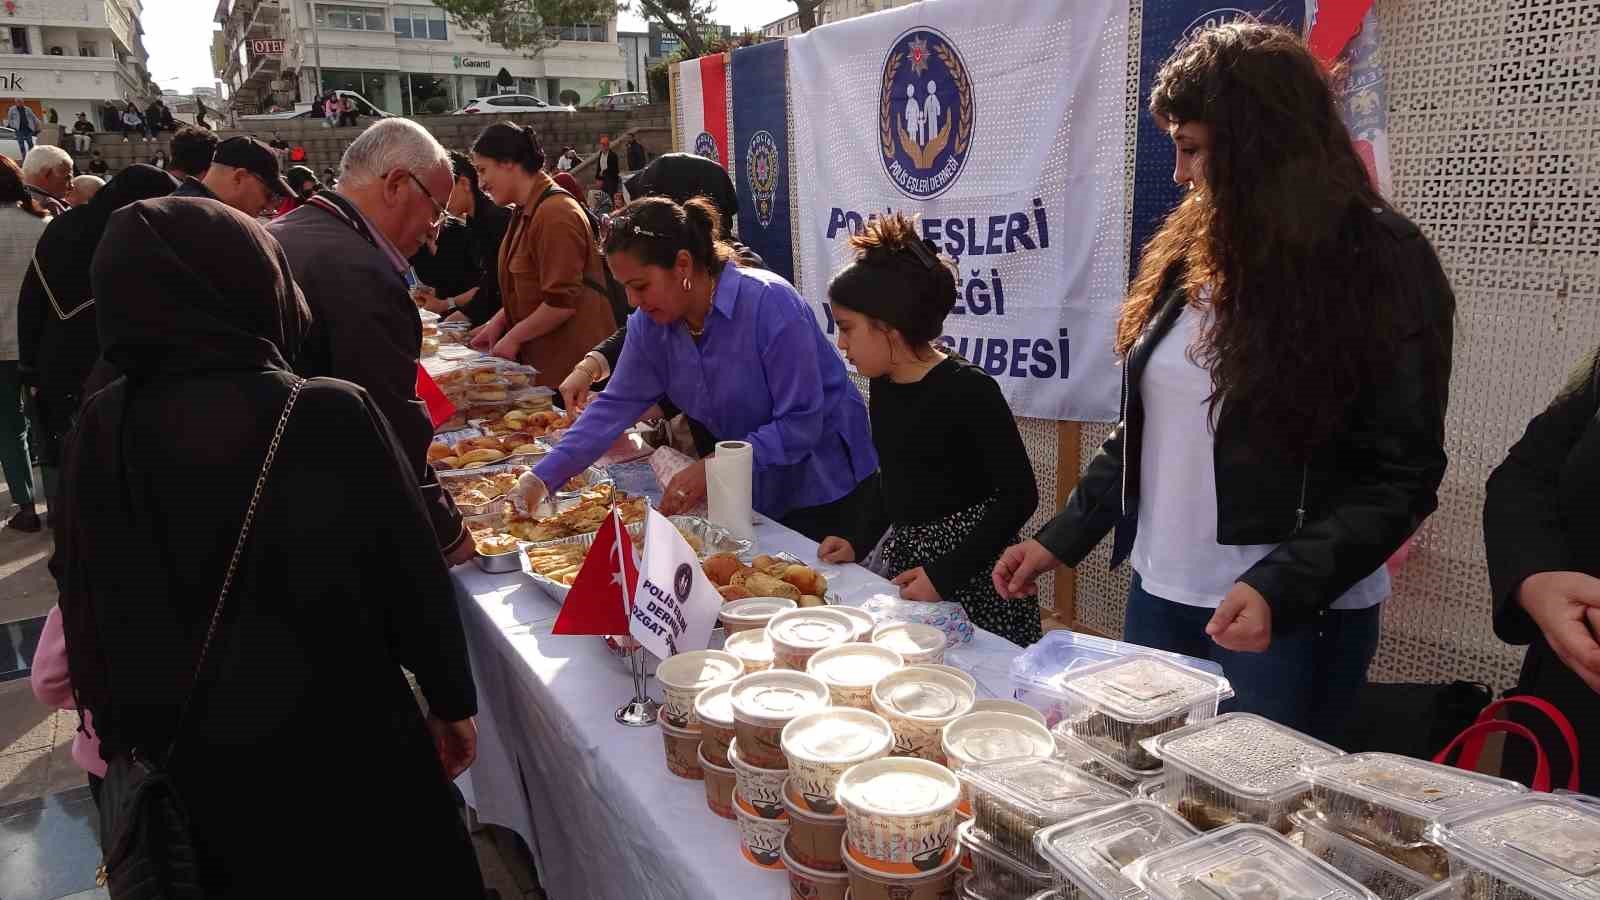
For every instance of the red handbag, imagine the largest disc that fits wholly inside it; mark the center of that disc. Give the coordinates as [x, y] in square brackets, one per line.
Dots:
[1470, 741]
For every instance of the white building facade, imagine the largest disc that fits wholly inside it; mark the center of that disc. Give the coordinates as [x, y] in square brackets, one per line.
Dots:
[409, 59]
[829, 11]
[73, 56]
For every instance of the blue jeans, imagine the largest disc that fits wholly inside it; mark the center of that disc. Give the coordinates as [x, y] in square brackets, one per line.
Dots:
[1309, 678]
[24, 143]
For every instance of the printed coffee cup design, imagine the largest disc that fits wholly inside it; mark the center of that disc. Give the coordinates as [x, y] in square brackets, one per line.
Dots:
[762, 839]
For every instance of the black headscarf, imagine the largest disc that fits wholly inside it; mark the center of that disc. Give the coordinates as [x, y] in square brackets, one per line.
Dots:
[190, 285]
[57, 353]
[185, 287]
[681, 176]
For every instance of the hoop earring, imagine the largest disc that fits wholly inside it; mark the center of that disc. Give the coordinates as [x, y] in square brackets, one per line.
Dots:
[687, 287]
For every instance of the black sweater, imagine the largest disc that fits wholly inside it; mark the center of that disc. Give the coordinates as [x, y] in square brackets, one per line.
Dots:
[946, 443]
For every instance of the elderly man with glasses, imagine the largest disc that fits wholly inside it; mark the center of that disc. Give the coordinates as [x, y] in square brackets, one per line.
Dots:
[348, 249]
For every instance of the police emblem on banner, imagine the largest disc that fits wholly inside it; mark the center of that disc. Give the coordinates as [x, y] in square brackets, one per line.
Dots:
[925, 113]
[1222, 15]
[761, 171]
[706, 145]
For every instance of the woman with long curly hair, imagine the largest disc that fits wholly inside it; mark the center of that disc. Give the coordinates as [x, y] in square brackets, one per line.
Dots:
[1286, 355]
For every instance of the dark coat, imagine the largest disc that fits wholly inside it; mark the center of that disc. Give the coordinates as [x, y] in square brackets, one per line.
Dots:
[365, 330]
[1541, 513]
[302, 699]
[1337, 517]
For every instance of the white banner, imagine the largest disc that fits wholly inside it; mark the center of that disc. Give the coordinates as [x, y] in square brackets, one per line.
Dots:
[1002, 124]
[675, 605]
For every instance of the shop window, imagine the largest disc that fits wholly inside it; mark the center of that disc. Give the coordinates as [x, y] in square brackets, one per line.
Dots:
[423, 23]
[350, 18]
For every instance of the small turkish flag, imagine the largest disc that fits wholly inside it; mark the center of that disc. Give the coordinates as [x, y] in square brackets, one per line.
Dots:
[600, 597]
[440, 409]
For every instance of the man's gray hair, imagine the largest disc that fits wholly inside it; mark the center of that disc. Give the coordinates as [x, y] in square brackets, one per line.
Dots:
[42, 158]
[387, 145]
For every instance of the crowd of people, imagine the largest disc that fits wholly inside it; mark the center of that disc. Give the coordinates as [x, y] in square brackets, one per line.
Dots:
[1286, 347]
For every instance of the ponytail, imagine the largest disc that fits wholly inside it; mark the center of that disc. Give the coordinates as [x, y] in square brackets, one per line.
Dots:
[655, 229]
[509, 142]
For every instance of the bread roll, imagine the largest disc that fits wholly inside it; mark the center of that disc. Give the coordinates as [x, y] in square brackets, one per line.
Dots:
[720, 568]
[732, 592]
[439, 450]
[482, 455]
[761, 584]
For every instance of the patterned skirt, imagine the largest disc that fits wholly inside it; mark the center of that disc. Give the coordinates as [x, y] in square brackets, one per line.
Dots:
[910, 546]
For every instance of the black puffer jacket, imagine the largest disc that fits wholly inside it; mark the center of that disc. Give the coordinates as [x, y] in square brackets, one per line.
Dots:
[1335, 518]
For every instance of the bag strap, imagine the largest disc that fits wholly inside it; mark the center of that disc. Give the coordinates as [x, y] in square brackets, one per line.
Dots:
[61, 314]
[549, 192]
[1471, 750]
[1476, 731]
[233, 561]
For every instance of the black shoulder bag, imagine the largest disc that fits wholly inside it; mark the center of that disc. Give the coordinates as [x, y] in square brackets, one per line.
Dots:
[144, 828]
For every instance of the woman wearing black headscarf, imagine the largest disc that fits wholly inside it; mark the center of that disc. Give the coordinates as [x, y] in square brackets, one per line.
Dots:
[303, 758]
[56, 338]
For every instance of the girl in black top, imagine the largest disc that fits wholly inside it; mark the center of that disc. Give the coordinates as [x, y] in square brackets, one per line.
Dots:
[956, 481]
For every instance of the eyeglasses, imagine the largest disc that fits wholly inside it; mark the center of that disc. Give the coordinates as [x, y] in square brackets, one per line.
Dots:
[441, 216]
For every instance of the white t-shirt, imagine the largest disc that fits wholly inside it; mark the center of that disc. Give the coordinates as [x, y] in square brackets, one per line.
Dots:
[1175, 551]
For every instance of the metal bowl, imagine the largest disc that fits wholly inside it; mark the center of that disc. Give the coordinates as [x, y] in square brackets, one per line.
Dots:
[500, 563]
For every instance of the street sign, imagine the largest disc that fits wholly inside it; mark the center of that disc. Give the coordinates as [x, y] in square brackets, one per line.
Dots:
[267, 46]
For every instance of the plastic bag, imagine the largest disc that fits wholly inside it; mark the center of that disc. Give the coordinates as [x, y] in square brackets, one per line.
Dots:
[944, 615]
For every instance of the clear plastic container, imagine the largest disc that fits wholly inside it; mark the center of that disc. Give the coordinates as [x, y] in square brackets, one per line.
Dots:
[1538, 847]
[1113, 706]
[994, 872]
[1377, 873]
[1237, 767]
[1012, 800]
[1036, 673]
[1087, 758]
[1242, 862]
[1087, 854]
[1386, 801]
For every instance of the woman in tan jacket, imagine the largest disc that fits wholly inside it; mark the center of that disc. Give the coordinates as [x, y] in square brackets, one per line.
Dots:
[552, 282]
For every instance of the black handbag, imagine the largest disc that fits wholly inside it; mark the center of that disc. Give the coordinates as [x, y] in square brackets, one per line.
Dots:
[149, 849]
[1415, 720]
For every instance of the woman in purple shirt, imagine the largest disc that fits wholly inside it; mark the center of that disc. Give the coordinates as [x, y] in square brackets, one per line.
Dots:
[737, 349]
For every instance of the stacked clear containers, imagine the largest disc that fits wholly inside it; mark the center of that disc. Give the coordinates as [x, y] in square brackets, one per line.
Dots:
[1012, 800]
[994, 872]
[1114, 706]
[1037, 672]
[1237, 768]
[1087, 854]
[1242, 862]
[1537, 847]
[1385, 802]
[1378, 874]
[1071, 750]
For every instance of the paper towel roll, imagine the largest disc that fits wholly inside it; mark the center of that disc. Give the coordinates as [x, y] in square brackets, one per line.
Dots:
[728, 488]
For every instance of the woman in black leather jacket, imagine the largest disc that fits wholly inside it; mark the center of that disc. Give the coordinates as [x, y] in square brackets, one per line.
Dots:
[1286, 349]
[1541, 524]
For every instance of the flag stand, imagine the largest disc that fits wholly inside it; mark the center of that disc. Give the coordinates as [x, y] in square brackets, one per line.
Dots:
[640, 712]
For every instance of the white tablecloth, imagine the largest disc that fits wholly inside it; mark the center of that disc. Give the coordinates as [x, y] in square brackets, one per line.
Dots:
[593, 799]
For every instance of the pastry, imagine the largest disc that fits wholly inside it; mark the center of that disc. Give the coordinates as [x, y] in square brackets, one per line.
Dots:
[807, 579]
[486, 394]
[439, 450]
[811, 600]
[483, 374]
[731, 592]
[516, 379]
[494, 544]
[521, 449]
[450, 377]
[481, 455]
[446, 462]
[720, 567]
[760, 584]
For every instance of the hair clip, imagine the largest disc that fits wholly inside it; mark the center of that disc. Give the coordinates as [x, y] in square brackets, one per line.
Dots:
[924, 254]
[625, 223]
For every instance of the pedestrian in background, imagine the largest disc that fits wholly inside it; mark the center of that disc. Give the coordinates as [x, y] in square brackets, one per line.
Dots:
[133, 123]
[192, 151]
[25, 123]
[58, 340]
[22, 222]
[82, 134]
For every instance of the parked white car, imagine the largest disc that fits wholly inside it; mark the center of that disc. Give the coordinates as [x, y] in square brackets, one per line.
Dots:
[8, 145]
[509, 103]
[624, 100]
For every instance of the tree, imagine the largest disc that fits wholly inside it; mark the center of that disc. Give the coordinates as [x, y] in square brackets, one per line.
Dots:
[686, 19]
[808, 13]
[528, 26]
